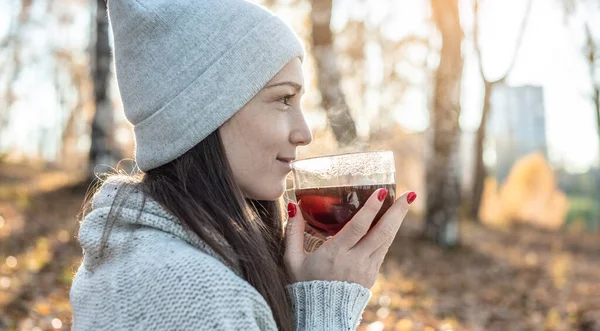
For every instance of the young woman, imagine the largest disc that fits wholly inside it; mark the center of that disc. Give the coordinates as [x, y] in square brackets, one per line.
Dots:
[196, 240]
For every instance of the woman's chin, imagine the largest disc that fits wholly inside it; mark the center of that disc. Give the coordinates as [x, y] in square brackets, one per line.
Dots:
[267, 193]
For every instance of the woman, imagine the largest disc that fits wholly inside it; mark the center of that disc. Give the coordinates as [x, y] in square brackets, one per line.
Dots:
[196, 241]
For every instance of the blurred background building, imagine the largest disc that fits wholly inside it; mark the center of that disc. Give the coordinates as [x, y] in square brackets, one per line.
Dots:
[517, 127]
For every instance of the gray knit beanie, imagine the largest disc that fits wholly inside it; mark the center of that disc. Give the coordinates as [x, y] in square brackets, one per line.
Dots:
[184, 67]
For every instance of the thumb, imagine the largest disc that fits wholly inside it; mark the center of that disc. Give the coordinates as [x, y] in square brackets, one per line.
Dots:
[294, 235]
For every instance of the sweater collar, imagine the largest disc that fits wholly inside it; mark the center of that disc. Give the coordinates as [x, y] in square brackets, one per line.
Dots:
[137, 210]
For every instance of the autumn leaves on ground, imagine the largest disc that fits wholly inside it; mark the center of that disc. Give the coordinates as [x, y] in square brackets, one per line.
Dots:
[515, 278]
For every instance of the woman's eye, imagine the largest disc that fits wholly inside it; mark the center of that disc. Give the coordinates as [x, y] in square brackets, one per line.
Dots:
[286, 99]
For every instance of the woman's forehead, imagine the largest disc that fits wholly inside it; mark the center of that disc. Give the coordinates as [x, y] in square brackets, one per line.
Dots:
[291, 72]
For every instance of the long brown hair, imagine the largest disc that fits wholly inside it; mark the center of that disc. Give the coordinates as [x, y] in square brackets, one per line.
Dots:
[198, 189]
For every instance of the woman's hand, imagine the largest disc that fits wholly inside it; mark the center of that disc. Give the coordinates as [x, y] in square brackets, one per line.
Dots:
[352, 255]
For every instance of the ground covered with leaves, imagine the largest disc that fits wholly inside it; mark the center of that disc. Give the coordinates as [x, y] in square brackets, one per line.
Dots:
[516, 279]
[521, 279]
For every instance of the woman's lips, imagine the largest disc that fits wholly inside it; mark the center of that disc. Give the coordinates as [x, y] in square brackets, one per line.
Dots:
[286, 162]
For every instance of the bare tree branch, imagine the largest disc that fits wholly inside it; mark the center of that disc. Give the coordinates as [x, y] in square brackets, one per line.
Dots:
[517, 46]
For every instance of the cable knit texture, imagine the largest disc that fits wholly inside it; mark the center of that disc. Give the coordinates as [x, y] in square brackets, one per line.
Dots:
[156, 275]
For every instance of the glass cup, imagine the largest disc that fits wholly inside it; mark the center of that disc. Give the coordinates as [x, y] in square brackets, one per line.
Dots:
[331, 189]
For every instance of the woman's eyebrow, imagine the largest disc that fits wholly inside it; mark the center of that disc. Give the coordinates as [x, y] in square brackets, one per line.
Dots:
[296, 86]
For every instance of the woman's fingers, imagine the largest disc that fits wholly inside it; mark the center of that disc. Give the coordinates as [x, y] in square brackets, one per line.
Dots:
[344, 257]
[379, 254]
[383, 233]
[359, 225]
[294, 234]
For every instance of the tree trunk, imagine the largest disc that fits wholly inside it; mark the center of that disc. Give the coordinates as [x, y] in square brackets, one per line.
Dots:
[101, 149]
[13, 42]
[596, 97]
[480, 171]
[592, 56]
[443, 186]
[333, 100]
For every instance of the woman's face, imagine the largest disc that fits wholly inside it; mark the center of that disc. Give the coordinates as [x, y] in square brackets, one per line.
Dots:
[261, 139]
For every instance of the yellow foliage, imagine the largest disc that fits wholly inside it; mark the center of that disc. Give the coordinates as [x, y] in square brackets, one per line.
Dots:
[553, 319]
[404, 324]
[491, 212]
[450, 323]
[559, 269]
[529, 195]
[42, 308]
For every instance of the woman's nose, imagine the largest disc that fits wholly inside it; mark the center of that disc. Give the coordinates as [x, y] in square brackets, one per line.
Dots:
[301, 134]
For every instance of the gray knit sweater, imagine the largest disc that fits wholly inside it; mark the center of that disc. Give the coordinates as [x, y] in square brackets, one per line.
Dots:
[156, 275]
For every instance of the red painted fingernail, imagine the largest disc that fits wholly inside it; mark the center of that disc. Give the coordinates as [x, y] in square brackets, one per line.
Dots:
[291, 209]
[411, 197]
[382, 194]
